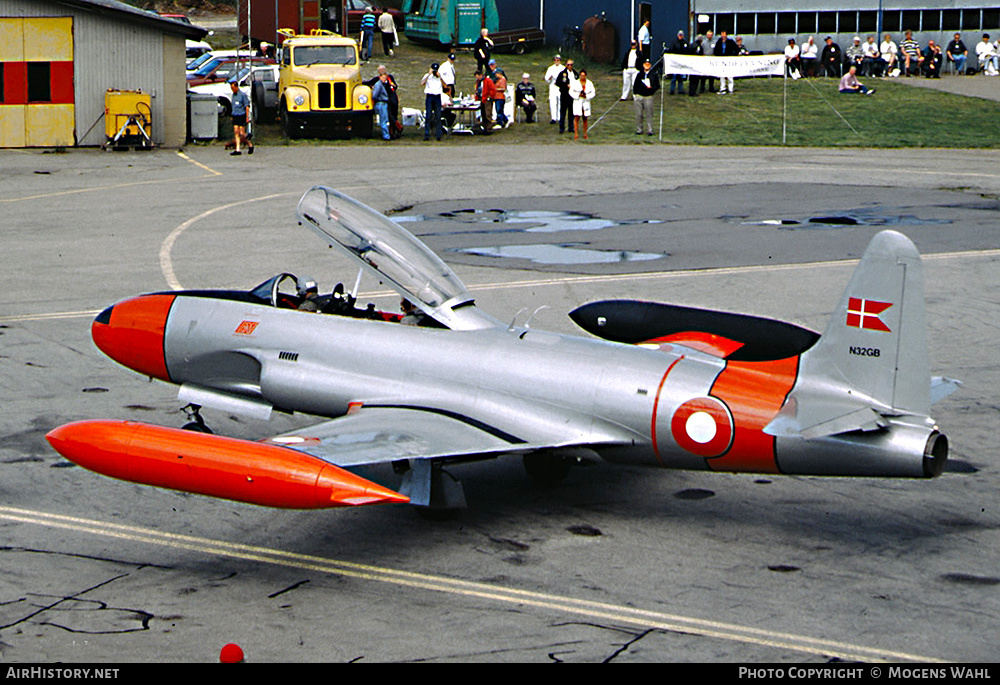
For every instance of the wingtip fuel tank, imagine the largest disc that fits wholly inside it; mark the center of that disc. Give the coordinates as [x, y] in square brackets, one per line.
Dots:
[213, 465]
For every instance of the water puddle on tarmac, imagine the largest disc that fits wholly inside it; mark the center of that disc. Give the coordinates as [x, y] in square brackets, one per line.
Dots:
[852, 218]
[497, 221]
[508, 221]
[559, 254]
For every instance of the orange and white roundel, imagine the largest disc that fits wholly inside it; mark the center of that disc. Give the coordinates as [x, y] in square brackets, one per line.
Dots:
[703, 426]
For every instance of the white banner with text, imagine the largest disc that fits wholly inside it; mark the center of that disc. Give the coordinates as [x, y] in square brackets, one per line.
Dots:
[707, 65]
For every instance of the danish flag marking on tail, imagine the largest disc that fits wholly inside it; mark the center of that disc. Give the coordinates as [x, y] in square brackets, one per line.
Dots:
[863, 313]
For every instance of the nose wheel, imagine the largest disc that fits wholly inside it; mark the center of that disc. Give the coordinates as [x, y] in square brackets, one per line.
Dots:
[195, 421]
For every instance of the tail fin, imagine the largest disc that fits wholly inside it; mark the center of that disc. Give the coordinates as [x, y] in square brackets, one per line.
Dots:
[871, 360]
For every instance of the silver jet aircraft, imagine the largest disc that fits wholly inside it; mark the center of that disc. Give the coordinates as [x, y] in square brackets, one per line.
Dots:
[660, 385]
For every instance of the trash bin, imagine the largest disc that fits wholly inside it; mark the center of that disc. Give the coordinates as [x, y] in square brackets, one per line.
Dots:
[203, 116]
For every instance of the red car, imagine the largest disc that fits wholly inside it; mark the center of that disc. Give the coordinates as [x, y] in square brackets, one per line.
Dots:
[356, 10]
[221, 69]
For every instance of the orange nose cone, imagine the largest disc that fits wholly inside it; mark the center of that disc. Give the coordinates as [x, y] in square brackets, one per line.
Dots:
[131, 333]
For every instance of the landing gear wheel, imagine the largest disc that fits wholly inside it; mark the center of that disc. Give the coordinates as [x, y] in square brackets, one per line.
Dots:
[197, 427]
[195, 422]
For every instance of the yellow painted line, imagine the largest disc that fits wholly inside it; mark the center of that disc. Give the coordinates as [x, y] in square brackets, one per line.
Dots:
[19, 318]
[77, 191]
[495, 593]
[199, 164]
[166, 260]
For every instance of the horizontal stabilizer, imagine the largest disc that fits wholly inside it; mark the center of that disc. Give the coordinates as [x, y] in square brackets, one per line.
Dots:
[817, 424]
[941, 387]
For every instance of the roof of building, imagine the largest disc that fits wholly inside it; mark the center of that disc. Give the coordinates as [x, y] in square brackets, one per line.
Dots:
[127, 12]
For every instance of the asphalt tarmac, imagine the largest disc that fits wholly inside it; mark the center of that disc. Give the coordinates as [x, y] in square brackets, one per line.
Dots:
[614, 564]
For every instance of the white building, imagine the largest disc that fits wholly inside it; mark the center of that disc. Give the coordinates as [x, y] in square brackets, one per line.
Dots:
[767, 25]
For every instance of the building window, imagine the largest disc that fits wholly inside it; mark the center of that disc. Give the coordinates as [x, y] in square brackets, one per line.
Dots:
[786, 23]
[826, 23]
[725, 22]
[867, 22]
[951, 20]
[766, 23]
[745, 24]
[932, 20]
[911, 20]
[970, 20]
[807, 23]
[848, 22]
[991, 18]
[39, 82]
[890, 21]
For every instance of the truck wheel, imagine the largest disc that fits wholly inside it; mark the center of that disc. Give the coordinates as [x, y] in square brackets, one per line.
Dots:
[364, 124]
[288, 127]
[225, 108]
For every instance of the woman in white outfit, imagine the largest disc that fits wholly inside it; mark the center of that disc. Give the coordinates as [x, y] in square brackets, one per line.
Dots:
[582, 92]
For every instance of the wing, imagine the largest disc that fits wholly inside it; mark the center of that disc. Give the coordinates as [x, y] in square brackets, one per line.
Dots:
[375, 435]
[420, 435]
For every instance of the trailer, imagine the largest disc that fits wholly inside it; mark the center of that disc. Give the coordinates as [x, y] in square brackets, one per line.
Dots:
[448, 24]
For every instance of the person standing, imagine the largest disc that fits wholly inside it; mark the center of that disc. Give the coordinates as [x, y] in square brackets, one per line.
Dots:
[567, 77]
[485, 90]
[645, 39]
[678, 47]
[500, 99]
[482, 49]
[447, 71]
[387, 27]
[582, 92]
[725, 47]
[240, 107]
[380, 96]
[644, 89]
[367, 34]
[629, 70]
[550, 78]
[708, 48]
[432, 102]
[694, 80]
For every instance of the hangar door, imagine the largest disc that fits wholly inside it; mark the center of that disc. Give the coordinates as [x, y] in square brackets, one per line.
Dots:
[36, 82]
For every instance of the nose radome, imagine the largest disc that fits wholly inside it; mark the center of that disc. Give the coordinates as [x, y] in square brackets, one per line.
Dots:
[131, 333]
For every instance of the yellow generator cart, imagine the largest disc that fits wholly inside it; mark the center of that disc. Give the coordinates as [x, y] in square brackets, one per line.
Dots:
[128, 120]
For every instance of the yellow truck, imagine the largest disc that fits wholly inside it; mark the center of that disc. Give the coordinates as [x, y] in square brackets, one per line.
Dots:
[319, 86]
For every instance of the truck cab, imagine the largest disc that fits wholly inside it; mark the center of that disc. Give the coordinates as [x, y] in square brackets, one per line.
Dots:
[319, 86]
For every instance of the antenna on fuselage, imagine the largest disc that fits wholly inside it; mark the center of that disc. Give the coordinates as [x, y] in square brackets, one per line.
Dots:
[357, 284]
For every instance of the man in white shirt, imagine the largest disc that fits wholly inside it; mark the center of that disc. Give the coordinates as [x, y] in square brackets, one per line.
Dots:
[809, 54]
[645, 38]
[447, 73]
[433, 88]
[629, 69]
[869, 59]
[887, 55]
[986, 52]
[550, 78]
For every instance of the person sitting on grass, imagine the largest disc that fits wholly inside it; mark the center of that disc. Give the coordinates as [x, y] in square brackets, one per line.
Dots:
[849, 82]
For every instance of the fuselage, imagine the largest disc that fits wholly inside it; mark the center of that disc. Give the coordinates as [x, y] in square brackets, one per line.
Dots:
[674, 406]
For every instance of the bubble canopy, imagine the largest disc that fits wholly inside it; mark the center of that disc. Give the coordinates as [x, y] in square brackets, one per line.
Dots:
[391, 253]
